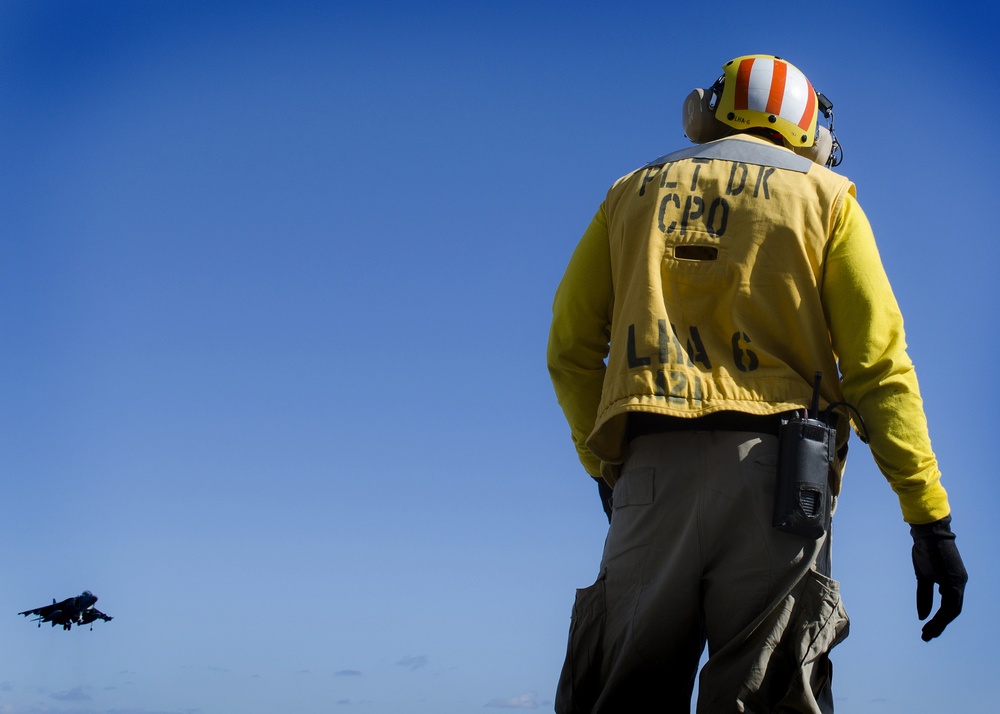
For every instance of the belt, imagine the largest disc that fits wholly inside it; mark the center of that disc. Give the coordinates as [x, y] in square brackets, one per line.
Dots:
[645, 423]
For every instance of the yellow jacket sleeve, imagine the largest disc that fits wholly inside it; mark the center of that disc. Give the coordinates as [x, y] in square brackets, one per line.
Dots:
[878, 377]
[580, 336]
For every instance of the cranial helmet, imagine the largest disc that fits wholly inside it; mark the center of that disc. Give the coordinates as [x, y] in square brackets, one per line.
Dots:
[763, 93]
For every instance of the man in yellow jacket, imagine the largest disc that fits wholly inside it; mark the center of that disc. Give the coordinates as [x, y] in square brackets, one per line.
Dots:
[721, 296]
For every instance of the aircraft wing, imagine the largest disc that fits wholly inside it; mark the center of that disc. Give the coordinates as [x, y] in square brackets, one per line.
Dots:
[46, 610]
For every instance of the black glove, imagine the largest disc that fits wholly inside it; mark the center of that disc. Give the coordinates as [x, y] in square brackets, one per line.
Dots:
[606, 493]
[936, 560]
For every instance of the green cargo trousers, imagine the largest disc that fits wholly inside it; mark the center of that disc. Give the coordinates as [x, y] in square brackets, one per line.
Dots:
[691, 558]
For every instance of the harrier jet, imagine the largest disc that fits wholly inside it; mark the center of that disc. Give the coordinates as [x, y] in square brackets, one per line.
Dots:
[79, 610]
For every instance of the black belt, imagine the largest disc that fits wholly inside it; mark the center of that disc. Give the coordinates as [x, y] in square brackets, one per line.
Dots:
[645, 423]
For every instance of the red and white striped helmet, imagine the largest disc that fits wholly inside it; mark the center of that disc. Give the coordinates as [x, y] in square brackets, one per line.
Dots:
[761, 91]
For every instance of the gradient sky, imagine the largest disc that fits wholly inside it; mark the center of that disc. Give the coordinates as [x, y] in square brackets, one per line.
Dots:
[275, 284]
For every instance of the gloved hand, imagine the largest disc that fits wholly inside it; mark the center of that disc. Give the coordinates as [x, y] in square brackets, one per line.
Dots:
[936, 560]
[605, 491]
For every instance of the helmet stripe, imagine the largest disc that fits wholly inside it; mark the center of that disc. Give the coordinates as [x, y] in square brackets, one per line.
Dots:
[810, 109]
[761, 75]
[777, 91]
[799, 98]
[742, 98]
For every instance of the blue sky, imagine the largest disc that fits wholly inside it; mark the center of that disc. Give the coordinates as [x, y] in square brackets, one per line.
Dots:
[275, 281]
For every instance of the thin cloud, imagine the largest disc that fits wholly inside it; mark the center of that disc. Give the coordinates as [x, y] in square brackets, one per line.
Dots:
[76, 694]
[348, 673]
[528, 700]
[413, 662]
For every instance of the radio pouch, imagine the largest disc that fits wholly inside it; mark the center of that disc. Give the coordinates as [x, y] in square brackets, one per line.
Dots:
[802, 497]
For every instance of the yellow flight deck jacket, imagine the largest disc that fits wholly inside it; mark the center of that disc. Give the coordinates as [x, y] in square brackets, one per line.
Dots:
[721, 278]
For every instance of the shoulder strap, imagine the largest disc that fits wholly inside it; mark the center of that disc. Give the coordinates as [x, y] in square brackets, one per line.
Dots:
[747, 152]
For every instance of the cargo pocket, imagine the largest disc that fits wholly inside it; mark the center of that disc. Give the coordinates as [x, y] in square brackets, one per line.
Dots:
[825, 625]
[580, 681]
[800, 671]
[822, 618]
[780, 663]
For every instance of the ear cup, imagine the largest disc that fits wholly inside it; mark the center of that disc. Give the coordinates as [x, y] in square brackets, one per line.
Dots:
[698, 119]
[819, 152]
